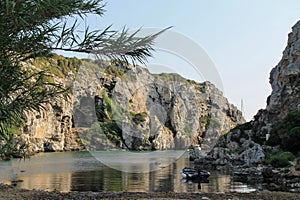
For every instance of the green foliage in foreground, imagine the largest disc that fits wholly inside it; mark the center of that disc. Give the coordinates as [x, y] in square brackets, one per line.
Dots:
[22, 91]
[32, 30]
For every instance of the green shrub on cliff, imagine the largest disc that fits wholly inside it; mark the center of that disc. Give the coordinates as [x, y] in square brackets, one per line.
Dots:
[112, 131]
[290, 142]
[286, 133]
[102, 133]
[138, 117]
[111, 126]
[280, 159]
[115, 111]
[115, 71]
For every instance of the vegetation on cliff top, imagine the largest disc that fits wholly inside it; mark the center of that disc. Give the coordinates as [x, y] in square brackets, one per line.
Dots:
[57, 65]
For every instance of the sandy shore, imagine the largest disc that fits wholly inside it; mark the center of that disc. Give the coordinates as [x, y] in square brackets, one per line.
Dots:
[11, 193]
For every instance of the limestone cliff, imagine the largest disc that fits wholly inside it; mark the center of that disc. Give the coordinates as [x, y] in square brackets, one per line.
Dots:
[246, 143]
[285, 82]
[142, 111]
[51, 129]
[119, 106]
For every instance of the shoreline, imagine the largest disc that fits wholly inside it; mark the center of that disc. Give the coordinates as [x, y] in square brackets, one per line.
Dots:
[10, 192]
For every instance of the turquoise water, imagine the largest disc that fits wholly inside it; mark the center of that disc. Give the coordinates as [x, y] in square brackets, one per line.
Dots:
[111, 171]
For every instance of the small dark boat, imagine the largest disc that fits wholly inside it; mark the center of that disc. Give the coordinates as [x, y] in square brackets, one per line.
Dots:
[192, 173]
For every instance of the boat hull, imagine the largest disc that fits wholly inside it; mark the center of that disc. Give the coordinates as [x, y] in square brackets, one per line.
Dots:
[192, 173]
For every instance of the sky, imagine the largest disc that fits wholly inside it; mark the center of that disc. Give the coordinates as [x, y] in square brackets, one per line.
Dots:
[244, 39]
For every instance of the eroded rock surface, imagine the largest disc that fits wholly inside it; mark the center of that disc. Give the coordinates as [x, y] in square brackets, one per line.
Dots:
[128, 107]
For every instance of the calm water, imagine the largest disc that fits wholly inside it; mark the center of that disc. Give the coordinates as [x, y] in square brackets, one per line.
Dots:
[122, 171]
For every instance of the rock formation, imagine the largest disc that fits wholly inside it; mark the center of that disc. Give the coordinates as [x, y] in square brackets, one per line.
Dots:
[117, 106]
[151, 112]
[51, 129]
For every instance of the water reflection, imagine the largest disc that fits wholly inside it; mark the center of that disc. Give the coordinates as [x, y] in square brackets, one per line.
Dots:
[79, 171]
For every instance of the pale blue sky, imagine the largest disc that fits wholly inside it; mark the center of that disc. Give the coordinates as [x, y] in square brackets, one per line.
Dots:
[245, 39]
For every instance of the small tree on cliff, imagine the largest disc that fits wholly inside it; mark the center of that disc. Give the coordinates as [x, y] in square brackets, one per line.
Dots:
[34, 28]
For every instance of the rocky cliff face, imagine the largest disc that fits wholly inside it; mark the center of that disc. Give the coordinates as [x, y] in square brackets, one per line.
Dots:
[285, 82]
[152, 112]
[51, 129]
[245, 144]
[120, 107]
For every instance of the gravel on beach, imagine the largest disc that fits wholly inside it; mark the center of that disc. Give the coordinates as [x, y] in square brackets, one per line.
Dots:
[8, 192]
